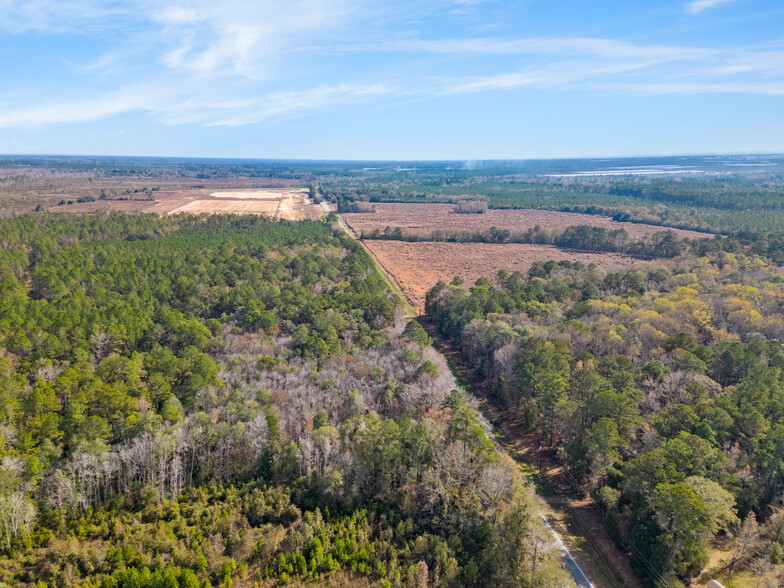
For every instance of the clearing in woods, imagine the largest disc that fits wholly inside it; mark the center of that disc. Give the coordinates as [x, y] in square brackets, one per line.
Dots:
[425, 218]
[268, 207]
[292, 204]
[417, 267]
[256, 194]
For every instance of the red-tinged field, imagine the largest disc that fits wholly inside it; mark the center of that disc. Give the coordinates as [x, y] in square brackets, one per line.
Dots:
[425, 218]
[417, 267]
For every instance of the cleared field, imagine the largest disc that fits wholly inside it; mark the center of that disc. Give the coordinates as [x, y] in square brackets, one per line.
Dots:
[268, 207]
[424, 218]
[256, 194]
[292, 204]
[417, 267]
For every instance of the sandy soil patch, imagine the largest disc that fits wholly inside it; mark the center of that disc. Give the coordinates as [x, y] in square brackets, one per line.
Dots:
[417, 267]
[428, 217]
[292, 204]
[257, 194]
[268, 207]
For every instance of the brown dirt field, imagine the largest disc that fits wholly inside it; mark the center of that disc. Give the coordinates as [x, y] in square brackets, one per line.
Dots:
[268, 207]
[256, 194]
[290, 204]
[428, 217]
[23, 188]
[417, 267]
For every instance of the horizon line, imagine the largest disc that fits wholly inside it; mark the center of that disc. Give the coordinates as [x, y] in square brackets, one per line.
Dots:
[391, 160]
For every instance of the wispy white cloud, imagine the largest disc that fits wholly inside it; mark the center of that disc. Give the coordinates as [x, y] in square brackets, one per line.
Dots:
[205, 36]
[683, 88]
[237, 63]
[228, 111]
[63, 16]
[697, 6]
[174, 105]
[630, 70]
[200, 35]
[299, 102]
[199, 61]
[127, 99]
[531, 45]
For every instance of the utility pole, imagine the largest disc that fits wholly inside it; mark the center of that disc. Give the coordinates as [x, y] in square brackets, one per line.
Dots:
[541, 446]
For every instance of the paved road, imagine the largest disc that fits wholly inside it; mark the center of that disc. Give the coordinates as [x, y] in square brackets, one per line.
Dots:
[570, 564]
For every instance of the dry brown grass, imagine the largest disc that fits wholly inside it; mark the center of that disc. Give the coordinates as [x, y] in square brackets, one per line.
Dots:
[23, 188]
[429, 217]
[417, 267]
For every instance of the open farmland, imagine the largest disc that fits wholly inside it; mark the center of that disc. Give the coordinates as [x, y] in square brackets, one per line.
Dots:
[417, 267]
[425, 218]
[292, 204]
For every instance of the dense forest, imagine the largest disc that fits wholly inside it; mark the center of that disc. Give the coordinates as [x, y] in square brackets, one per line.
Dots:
[202, 401]
[661, 388]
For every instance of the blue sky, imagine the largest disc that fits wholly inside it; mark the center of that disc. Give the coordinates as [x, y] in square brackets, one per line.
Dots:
[404, 79]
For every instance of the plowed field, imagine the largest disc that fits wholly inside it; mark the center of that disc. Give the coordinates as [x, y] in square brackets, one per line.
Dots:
[417, 267]
[424, 218]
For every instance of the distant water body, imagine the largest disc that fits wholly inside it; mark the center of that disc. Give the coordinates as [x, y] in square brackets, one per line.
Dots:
[632, 171]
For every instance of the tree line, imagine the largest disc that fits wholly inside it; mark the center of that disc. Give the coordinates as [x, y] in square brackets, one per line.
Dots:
[577, 237]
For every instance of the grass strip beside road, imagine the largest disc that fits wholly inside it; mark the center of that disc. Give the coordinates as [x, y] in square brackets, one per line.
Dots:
[386, 274]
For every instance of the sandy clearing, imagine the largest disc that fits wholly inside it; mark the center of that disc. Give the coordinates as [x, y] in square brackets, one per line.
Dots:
[417, 267]
[269, 207]
[292, 204]
[257, 194]
[286, 209]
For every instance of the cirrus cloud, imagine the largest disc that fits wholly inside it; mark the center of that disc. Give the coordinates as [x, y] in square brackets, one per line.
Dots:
[236, 63]
[698, 6]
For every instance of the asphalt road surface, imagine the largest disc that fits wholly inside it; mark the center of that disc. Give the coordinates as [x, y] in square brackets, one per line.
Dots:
[570, 564]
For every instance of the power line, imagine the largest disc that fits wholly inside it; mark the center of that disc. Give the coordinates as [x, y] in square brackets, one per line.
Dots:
[596, 506]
